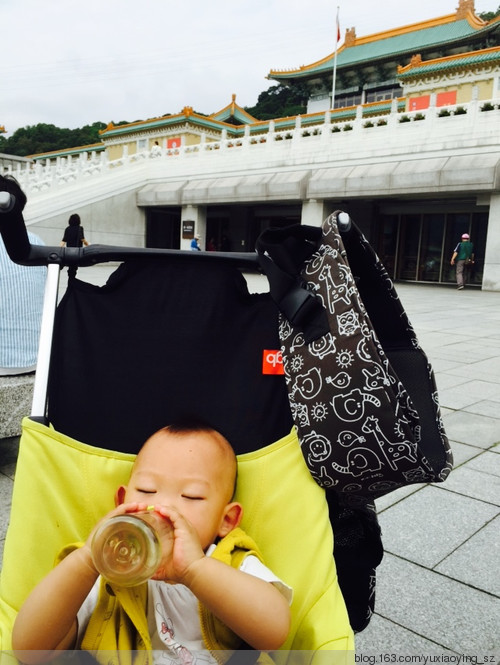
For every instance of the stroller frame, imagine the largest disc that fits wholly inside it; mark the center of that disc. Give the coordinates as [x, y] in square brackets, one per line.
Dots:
[17, 244]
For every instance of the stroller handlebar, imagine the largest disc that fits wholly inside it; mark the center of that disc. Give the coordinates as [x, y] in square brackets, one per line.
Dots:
[7, 201]
[13, 229]
[20, 250]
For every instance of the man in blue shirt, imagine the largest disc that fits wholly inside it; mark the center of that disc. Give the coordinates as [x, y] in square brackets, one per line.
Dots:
[195, 244]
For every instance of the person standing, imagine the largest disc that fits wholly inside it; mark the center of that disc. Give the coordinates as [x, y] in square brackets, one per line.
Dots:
[155, 150]
[74, 235]
[21, 302]
[463, 256]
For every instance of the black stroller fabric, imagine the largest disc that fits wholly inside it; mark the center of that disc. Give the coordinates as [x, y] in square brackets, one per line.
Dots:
[163, 341]
[361, 389]
[168, 341]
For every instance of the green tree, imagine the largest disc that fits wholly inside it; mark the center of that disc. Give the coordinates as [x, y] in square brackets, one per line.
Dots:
[487, 16]
[280, 101]
[35, 139]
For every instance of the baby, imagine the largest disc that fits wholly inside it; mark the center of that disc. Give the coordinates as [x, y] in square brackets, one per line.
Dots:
[188, 473]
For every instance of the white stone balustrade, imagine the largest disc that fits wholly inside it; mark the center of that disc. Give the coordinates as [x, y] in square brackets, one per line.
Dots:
[361, 137]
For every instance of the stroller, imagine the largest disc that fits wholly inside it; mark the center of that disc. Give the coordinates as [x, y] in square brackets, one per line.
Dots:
[175, 335]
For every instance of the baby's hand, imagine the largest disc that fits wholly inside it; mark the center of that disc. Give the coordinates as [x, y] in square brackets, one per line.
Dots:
[186, 550]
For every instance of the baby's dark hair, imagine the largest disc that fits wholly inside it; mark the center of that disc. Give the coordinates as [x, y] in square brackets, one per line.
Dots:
[193, 425]
[74, 220]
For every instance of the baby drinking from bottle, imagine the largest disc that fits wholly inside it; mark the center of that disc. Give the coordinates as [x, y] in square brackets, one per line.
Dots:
[211, 590]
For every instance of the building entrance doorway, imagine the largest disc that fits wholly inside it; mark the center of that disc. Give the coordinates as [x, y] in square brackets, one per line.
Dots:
[163, 228]
[417, 246]
[235, 228]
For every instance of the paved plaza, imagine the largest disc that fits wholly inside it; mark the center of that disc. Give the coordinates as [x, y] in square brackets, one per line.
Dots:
[438, 587]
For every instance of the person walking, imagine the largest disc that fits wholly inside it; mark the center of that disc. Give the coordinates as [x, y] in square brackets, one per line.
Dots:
[463, 256]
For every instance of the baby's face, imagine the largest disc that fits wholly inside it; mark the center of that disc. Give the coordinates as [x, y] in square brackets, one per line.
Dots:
[189, 472]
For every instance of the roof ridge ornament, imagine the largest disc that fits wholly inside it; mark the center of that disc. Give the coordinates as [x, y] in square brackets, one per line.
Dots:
[464, 7]
[350, 37]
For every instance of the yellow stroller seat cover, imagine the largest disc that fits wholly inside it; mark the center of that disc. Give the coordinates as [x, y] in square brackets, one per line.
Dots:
[63, 487]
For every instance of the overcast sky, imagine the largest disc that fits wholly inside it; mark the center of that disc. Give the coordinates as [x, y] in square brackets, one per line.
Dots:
[71, 63]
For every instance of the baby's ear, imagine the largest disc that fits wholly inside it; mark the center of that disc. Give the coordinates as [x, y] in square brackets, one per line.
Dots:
[120, 495]
[233, 514]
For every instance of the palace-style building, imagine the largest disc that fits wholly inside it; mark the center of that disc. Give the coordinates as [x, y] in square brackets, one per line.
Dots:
[411, 149]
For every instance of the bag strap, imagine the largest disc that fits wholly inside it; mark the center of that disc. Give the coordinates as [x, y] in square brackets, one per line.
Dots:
[281, 254]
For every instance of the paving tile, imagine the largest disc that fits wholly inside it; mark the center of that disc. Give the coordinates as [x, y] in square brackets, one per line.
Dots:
[464, 371]
[493, 340]
[445, 611]
[456, 397]
[444, 380]
[463, 394]
[471, 482]
[450, 354]
[445, 411]
[486, 368]
[463, 453]
[430, 524]
[476, 561]
[430, 338]
[474, 429]
[488, 463]
[489, 407]
[397, 495]
[474, 352]
[388, 638]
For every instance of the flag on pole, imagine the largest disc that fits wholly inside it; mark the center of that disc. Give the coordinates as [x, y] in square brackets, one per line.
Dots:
[338, 26]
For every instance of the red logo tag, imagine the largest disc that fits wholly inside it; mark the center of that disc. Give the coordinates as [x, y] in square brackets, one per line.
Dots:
[272, 362]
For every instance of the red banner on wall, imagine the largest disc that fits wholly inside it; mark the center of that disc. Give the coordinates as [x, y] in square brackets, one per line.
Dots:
[419, 103]
[446, 98]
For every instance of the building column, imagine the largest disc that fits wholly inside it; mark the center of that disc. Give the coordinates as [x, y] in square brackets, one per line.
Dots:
[496, 87]
[491, 274]
[313, 212]
[198, 216]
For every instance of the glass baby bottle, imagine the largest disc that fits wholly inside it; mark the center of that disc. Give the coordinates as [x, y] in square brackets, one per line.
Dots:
[129, 549]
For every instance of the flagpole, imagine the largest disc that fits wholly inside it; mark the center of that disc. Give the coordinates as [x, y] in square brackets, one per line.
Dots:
[337, 31]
